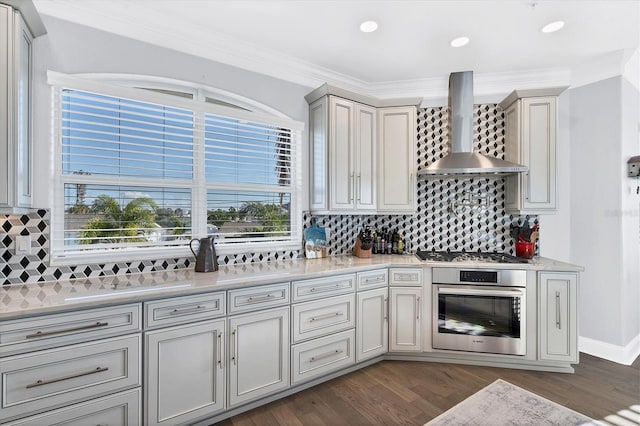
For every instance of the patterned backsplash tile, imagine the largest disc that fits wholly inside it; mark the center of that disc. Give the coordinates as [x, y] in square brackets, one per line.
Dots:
[441, 221]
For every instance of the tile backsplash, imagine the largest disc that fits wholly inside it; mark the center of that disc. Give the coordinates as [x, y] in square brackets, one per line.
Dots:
[435, 225]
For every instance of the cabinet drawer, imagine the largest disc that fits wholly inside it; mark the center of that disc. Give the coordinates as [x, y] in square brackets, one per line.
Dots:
[373, 279]
[119, 409]
[179, 310]
[407, 277]
[321, 317]
[323, 287]
[321, 356]
[261, 297]
[24, 335]
[48, 379]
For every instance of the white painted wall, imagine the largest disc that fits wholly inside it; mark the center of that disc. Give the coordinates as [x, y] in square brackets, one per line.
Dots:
[604, 232]
[72, 48]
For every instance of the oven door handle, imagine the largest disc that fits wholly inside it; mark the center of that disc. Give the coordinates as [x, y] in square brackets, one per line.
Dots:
[483, 292]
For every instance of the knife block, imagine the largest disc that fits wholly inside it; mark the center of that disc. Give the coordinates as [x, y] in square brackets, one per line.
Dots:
[358, 251]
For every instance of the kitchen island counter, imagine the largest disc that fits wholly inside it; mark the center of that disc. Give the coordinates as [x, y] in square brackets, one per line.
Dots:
[20, 300]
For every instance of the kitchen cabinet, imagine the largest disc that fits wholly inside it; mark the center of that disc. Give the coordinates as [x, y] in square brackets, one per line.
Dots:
[558, 316]
[15, 112]
[531, 139]
[185, 372]
[35, 382]
[323, 326]
[405, 333]
[397, 160]
[258, 362]
[118, 409]
[372, 324]
[343, 148]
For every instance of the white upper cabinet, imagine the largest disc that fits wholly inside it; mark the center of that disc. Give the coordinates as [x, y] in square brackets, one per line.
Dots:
[343, 148]
[531, 139]
[15, 111]
[362, 155]
[397, 160]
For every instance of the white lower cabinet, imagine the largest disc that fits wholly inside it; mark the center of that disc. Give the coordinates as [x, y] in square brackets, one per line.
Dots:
[38, 381]
[372, 323]
[321, 317]
[122, 409]
[558, 316]
[406, 317]
[323, 355]
[258, 354]
[185, 377]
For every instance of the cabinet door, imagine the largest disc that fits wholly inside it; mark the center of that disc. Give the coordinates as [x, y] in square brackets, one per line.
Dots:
[397, 163]
[530, 139]
[23, 53]
[184, 372]
[512, 152]
[341, 163]
[558, 317]
[406, 315]
[319, 152]
[365, 158]
[372, 324]
[258, 354]
[539, 153]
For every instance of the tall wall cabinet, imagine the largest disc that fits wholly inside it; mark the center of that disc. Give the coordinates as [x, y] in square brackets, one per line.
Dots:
[362, 153]
[531, 139]
[15, 110]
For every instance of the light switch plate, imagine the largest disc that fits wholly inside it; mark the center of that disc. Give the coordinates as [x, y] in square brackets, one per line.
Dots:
[23, 244]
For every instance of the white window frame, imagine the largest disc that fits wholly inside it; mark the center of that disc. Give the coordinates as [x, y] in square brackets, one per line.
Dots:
[125, 86]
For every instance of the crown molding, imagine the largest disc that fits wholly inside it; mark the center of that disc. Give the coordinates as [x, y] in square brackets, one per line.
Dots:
[146, 25]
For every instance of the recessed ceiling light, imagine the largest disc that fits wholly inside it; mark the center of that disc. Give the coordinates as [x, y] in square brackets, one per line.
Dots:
[368, 26]
[552, 27]
[459, 42]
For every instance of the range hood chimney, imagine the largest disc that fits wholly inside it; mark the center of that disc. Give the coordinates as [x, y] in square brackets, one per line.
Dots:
[461, 159]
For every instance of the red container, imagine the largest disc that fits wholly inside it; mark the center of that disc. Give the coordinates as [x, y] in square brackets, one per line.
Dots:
[525, 249]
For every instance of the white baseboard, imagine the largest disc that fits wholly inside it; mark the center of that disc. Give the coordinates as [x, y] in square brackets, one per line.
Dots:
[620, 354]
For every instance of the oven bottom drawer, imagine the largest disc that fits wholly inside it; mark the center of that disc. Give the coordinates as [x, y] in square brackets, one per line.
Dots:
[49, 379]
[483, 344]
[119, 409]
[321, 356]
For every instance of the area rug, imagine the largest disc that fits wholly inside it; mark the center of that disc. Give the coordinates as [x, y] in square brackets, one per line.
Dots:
[502, 403]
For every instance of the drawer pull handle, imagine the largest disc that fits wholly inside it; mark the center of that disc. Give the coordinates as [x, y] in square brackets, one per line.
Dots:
[325, 316]
[186, 311]
[325, 355]
[558, 325]
[60, 379]
[328, 288]
[220, 351]
[260, 298]
[374, 280]
[66, 330]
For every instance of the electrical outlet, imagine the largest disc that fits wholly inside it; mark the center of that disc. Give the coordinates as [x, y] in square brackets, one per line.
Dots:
[23, 244]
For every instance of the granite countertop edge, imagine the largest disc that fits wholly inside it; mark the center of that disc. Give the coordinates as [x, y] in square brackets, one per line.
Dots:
[23, 300]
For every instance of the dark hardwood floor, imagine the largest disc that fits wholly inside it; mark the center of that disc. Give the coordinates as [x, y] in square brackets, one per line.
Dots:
[412, 393]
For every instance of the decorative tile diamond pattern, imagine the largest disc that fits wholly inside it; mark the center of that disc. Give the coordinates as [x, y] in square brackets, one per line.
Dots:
[441, 221]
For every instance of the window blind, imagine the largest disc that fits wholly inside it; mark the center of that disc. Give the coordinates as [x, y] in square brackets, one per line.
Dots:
[141, 172]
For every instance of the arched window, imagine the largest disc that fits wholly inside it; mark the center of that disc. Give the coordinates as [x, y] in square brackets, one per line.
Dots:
[144, 166]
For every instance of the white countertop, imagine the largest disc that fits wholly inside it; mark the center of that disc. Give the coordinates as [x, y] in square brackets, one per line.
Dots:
[49, 297]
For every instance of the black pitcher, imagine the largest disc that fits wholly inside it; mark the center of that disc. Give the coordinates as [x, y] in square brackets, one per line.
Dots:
[206, 259]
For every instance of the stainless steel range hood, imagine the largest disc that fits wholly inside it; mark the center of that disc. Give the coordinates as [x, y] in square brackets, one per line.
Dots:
[461, 159]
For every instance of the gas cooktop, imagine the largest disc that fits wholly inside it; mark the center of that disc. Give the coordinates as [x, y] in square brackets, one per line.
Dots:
[461, 256]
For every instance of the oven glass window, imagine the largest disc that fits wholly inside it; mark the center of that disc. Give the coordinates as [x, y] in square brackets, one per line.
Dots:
[479, 315]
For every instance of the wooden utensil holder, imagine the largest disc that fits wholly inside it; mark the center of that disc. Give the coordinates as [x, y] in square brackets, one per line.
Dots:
[358, 251]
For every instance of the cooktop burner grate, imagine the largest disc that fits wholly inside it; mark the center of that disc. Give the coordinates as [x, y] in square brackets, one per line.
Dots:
[460, 256]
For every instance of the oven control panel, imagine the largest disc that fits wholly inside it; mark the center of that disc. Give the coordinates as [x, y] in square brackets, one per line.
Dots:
[479, 276]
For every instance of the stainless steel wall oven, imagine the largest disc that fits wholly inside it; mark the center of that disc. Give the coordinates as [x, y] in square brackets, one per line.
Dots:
[479, 310]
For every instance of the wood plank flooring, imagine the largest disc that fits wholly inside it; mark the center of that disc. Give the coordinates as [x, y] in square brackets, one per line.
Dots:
[412, 393]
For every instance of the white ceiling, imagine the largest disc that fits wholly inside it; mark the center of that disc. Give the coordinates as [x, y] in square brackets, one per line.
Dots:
[313, 41]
